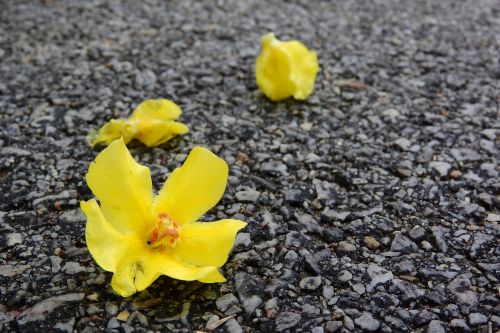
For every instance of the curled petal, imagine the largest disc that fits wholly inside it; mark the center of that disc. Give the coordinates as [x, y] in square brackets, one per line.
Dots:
[133, 272]
[194, 188]
[113, 130]
[273, 70]
[155, 132]
[207, 243]
[304, 70]
[156, 109]
[154, 121]
[285, 69]
[141, 267]
[124, 190]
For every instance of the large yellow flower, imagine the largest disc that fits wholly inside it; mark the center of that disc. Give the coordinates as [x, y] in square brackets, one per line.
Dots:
[139, 237]
[152, 123]
[285, 69]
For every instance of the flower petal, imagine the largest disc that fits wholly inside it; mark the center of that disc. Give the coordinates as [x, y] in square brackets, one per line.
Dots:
[134, 272]
[113, 130]
[207, 243]
[143, 266]
[273, 69]
[164, 263]
[156, 109]
[304, 69]
[194, 188]
[213, 277]
[155, 132]
[105, 244]
[124, 190]
[285, 69]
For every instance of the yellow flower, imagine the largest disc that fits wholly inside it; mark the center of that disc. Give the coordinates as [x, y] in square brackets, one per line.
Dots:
[139, 237]
[152, 123]
[285, 69]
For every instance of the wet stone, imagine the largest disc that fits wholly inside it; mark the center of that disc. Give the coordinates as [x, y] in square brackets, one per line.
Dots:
[333, 326]
[286, 320]
[73, 268]
[409, 291]
[459, 325]
[226, 301]
[401, 243]
[417, 234]
[435, 326]
[249, 290]
[345, 249]
[232, 326]
[310, 283]
[294, 197]
[344, 276]
[460, 288]
[378, 275]
[13, 239]
[65, 326]
[442, 168]
[465, 155]
[371, 242]
[333, 235]
[247, 196]
[367, 323]
[477, 318]
[440, 235]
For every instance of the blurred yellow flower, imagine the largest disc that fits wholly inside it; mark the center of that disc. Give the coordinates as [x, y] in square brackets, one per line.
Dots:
[139, 237]
[285, 69]
[152, 123]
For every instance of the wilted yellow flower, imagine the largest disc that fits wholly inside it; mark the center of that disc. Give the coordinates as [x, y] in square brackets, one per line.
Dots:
[152, 123]
[285, 69]
[139, 237]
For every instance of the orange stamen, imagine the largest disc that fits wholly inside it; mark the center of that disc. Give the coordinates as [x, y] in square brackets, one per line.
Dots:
[166, 231]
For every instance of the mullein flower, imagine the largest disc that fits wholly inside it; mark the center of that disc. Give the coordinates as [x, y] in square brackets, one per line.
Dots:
[139, 237]
[152, 123]
[285, 69]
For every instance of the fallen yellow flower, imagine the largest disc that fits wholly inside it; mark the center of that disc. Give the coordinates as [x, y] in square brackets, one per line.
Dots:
[285, 69]
[139, 237]
[152, 123]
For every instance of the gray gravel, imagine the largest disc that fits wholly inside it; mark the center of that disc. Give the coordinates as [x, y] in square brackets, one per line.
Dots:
[373, 205]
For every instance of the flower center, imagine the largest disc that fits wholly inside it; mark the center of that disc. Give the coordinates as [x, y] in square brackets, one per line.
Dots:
[165, 233]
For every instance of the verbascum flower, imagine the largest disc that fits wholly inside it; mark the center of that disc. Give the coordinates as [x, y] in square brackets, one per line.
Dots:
[152, 123]
[139, 237]
[285, 69]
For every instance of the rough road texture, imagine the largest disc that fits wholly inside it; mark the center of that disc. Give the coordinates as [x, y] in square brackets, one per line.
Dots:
[371, 206]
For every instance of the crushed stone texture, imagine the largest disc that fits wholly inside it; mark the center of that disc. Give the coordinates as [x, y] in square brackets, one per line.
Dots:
[373, 205]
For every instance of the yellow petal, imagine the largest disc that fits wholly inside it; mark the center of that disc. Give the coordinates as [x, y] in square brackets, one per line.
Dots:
[156, 109]
[304, 69]
[207, 243]
[285, 69]
[213, 277]
[113, 130]
[154, 121]
[273, 69]
[155, 132]
[124, 190]
[194, 188]
[133, 272]
[165, 264]
[105, 244]
[142, 266]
